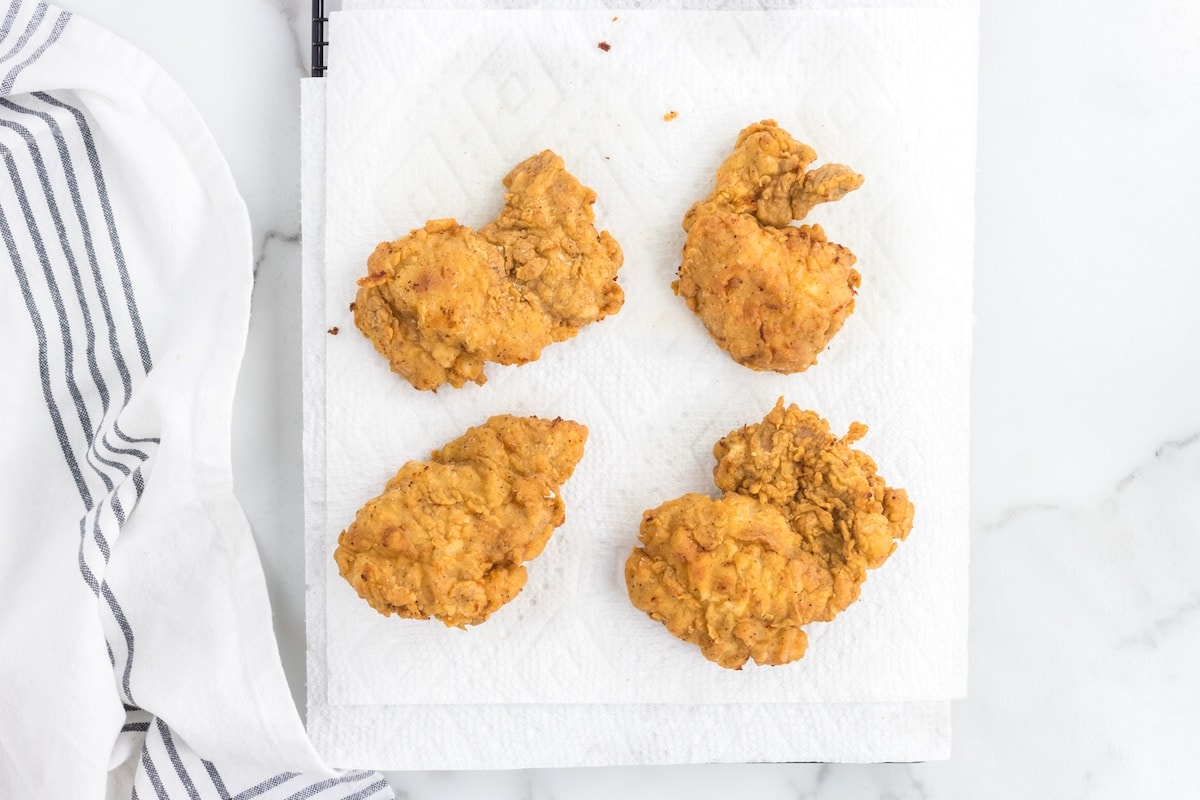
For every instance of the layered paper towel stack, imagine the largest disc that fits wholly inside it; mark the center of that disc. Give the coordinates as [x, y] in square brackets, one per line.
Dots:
[420, 116]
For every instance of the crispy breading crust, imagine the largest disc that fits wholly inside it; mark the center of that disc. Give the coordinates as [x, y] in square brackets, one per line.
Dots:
[447, 537]
[743, 281]
[547, 235]
[830, 492]
[803, 517]
[442, 301]
[727, 575]
[770, 294]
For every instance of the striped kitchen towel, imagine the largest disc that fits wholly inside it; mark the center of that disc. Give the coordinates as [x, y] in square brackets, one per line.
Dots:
[137, 657]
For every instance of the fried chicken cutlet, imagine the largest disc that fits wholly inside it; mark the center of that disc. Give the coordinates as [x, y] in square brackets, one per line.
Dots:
[803, 517]
[444, 300]
[447, 537]
[728, 575]
[772, 295]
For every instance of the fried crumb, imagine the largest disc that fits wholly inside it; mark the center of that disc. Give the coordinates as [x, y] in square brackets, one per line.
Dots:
[333, 331]
[352, 307]
[605, 46]
[670, 115]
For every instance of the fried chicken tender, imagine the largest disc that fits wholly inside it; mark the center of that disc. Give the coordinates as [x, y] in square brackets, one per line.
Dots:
[771, 295]
[448, 536]
[803, 517]
[442, 301]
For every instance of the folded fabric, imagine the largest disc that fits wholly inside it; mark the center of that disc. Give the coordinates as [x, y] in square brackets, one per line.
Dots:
[139, 658]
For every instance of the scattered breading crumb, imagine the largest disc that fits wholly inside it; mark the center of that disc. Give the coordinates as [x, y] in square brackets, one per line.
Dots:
[670, 115]
[605, 46]
[352, 307]
[333, 331]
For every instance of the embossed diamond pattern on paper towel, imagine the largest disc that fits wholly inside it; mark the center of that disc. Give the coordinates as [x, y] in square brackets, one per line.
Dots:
[427, 122]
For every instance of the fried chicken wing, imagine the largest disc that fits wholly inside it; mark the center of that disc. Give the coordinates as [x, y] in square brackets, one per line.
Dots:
[442, 301]
[770, 294]
[447, 537]
[803, 517]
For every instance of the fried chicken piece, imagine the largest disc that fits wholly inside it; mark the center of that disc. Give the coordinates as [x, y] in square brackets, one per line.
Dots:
[825, 184]
[728, 575]
[770, 294]
[770, 297]
[547, 234]
[438, 304]
[442, 301]
[830, 493]
[767, 177]
[803, 517]
[448, 536]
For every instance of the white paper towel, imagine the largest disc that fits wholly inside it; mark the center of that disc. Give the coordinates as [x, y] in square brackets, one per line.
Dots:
[544, 735]
[900, 236]
[548, 735]
[428, 110]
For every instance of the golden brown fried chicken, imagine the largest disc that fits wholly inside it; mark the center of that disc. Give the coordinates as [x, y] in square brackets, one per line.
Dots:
[442, 301]
[767, 177]
[551, 250]
[830, 493]
[438, 304]
[803, 517]
[770, 297]
[770, 294]
[728, 575]
[448, 536]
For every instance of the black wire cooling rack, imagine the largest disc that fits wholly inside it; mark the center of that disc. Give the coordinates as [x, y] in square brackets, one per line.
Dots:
[319, 42]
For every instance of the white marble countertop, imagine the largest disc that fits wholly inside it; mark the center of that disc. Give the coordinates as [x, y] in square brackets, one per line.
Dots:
[1085, 536]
